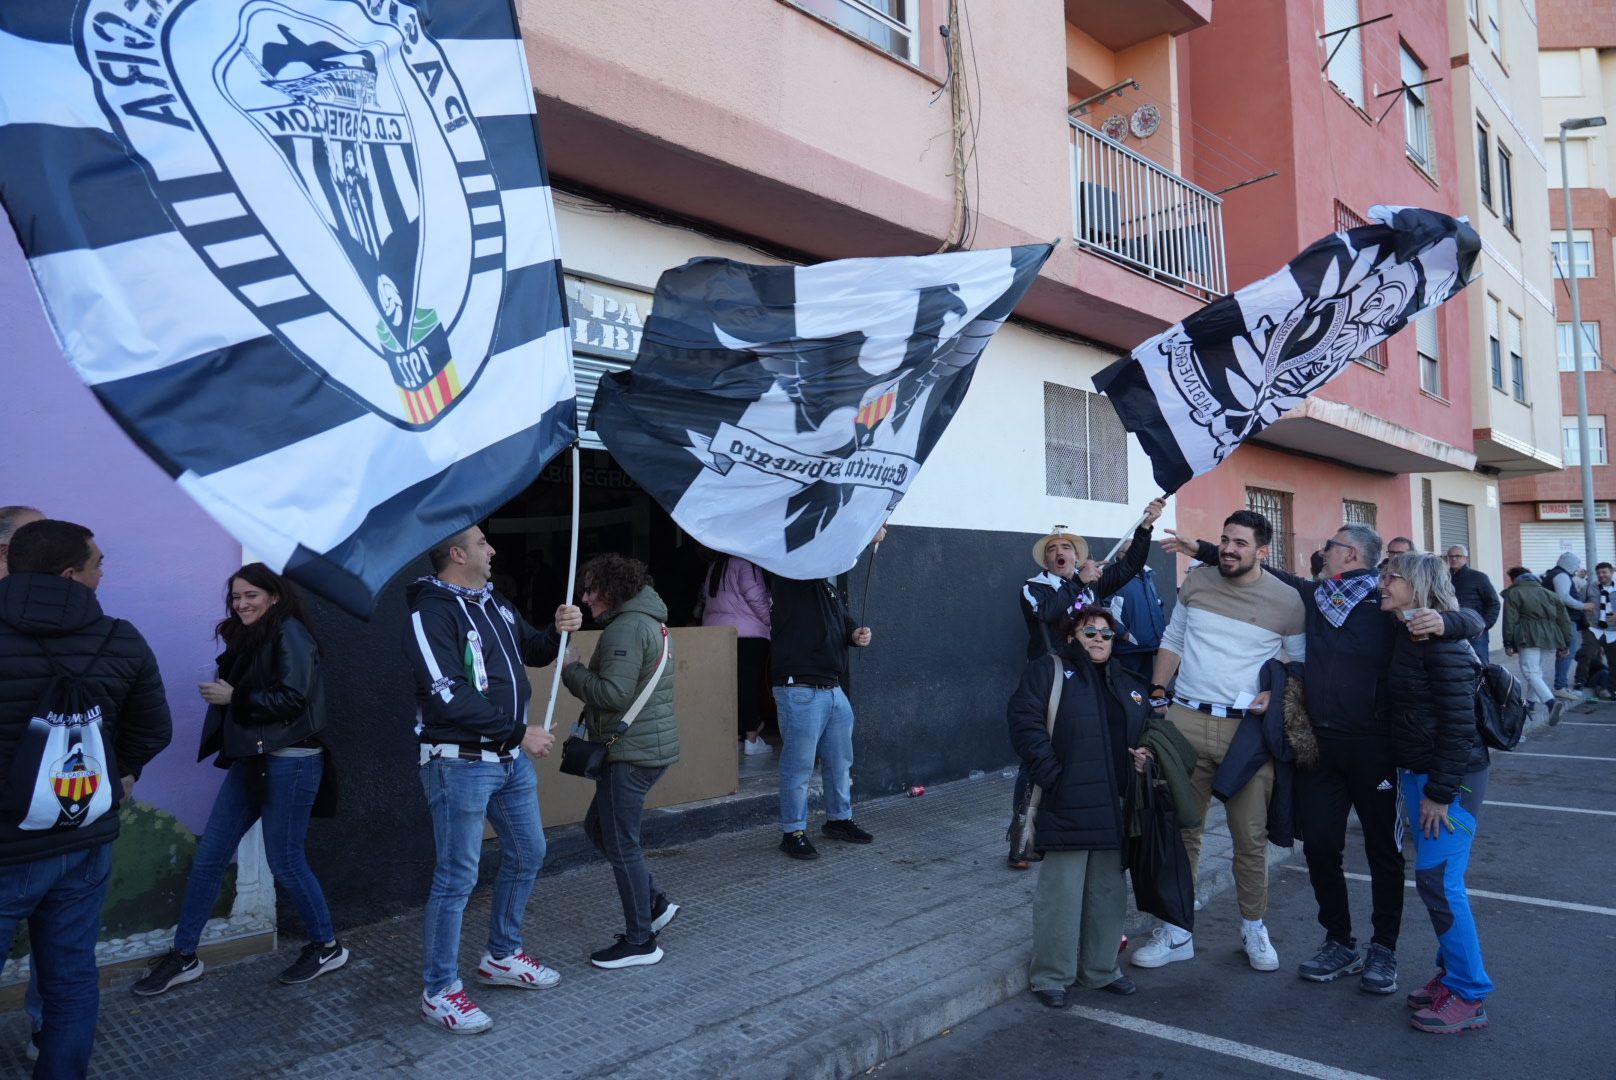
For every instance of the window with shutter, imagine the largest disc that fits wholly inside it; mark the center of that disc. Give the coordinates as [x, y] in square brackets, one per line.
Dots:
[1453, 524]
[1345, 49]
[1426, 344]
[1495, 346]
[1517, 363]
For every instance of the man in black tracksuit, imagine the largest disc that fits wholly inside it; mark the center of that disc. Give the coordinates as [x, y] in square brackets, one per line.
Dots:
[1349, 648]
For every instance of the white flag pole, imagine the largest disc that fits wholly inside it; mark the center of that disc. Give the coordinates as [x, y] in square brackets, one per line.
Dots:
[1124, 538]
[572, 584]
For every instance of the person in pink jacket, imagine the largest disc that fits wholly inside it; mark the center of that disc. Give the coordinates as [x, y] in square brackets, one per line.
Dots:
[736, 595]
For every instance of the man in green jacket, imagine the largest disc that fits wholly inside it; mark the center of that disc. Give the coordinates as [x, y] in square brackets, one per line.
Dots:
[628, 680]
[1536, 625]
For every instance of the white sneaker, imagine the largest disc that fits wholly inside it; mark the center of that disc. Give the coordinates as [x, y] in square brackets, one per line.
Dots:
[1162, 949]
[518, 969]
[755, 747]
[1259, 950]
[455, 1012]
[1568, 694]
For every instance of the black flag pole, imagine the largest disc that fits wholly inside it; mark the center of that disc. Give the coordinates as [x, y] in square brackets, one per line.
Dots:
[869, 575]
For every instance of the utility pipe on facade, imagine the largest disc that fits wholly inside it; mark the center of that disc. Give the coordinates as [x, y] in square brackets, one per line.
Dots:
[1589, 537]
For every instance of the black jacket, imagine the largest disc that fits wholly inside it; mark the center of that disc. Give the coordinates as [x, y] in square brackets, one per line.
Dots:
[1259, 739]
[810, 630]
[1045, 598]
[66, 617]
[1432, 705]
[1083, 771]
[278, 699]
[1476, 593]
[448, 625]
[1345, 674]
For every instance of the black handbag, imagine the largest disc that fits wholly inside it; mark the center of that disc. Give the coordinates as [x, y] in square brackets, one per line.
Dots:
[1162, 885]
[585, 758]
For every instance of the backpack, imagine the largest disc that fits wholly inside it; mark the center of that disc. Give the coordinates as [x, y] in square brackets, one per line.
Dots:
[63, 775]
[1500, 708]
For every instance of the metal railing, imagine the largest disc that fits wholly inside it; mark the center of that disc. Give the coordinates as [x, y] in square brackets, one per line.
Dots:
[1133, 210]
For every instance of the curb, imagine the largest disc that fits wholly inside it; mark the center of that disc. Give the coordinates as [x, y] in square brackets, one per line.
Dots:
[909, 1019]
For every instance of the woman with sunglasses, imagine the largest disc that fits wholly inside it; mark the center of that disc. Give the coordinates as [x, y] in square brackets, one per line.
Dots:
[1442, 768]
[1080, 900]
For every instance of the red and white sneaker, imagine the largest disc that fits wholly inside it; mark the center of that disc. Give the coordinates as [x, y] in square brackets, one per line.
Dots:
[455, 1012]
[518, 969]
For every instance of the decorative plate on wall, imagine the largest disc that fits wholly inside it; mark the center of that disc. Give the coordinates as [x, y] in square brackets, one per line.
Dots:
[1115, 127]
[1146, 121]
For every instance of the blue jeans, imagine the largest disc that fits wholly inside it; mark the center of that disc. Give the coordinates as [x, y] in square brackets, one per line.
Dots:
[288, 798]
[1439, 869]
[613, 826]
[461, 794]
[814, 722]
[60, 896]
[1562, 670]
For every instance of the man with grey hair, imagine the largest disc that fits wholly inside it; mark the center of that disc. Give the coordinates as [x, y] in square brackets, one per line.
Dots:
[1475, 591]
[13, 518]
[1349, 647]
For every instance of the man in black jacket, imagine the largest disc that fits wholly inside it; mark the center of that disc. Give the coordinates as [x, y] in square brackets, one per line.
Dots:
[60, 812]
[1475, 591]
[810, 633]
[1349, 650]
[468, 646]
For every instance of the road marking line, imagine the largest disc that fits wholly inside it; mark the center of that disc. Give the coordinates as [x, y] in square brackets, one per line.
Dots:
[1572, 757]
[1229, 1048]
[1535, 901]
[1587, 723]
[1561, 809]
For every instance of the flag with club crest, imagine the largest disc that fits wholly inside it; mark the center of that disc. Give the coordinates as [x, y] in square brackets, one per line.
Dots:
[780, 413]
[1195, 392]
[303, 251]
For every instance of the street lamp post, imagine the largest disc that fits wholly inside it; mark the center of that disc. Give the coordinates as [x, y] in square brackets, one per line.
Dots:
[1588, 532]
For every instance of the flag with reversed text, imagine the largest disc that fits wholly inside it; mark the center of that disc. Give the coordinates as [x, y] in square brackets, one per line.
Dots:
[780, 413]
[1195, 392]
[303, 251]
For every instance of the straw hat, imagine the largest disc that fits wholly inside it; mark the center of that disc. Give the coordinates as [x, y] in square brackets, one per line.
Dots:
[1059, 533]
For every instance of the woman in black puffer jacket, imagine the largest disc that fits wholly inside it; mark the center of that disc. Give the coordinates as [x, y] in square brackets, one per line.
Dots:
[1442, 766]
[1080, 901]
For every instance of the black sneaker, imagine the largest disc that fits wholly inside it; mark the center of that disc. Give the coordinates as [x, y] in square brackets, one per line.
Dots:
[846, 830]
[622, 954]
[1332, 961]
[169, 971]
[662, 913]
[315, 960]
[1379, 971]
[797, 846]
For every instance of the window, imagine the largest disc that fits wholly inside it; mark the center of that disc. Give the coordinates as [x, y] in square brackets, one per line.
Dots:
[1354, 512]
[1517, 364]
[1416, 112]
[1347, 218]
[1495, 35]
[889, 25]
[1560, 73]
[1506, 187]
[1484, 175]
[1345, 49]
[1565, 346]
[1576, 163]
[1276, 507]
[1495, 347]
[1085, 446]
[1425, 343]
[1470, 9]
[1581, 262]
[1571, 448]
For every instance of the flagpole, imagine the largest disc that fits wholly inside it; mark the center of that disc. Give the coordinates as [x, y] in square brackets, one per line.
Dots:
[869, 574]
[572, 583]
[1124, 538]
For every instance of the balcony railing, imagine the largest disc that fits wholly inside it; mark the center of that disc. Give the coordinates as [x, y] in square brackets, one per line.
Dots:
[1134, 211]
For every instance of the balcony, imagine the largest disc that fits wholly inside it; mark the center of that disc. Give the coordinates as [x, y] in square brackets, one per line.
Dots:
[1131, 210]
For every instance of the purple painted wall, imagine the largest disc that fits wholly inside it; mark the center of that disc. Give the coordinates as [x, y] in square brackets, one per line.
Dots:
[167, 561]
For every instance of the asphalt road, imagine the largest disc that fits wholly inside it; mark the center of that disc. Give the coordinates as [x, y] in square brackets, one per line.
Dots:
[1543, 887]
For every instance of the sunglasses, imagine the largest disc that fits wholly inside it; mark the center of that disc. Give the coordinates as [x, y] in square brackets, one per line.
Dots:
[1096, 632]
[1328, 544]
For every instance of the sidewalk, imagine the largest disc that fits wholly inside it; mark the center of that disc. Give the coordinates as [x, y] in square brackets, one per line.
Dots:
[774, 968]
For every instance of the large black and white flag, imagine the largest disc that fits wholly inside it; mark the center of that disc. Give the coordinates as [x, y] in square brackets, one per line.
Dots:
[304, 253]
[1198, 390]
[779, 413]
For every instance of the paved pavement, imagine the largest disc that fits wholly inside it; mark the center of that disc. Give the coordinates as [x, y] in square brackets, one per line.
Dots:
[774, 968]
[1543, 887]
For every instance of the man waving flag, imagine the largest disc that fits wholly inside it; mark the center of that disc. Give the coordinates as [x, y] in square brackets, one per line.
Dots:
[303, 251]
[1204, 386]
[779, 413]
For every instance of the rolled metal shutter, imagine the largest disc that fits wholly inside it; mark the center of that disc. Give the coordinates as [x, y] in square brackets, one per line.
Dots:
[1453, 525]
[1543, 541]
[587, 371]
